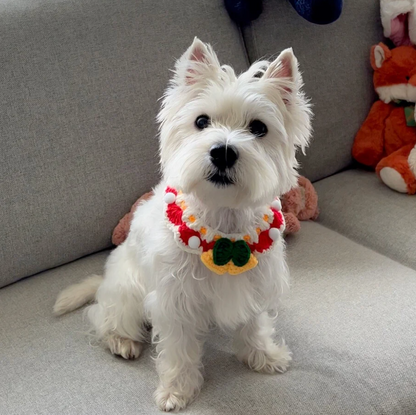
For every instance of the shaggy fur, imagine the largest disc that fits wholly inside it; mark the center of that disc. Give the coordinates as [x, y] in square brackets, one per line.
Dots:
[149, 278]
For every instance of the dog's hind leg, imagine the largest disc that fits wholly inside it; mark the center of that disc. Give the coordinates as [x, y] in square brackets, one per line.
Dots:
[118, 316]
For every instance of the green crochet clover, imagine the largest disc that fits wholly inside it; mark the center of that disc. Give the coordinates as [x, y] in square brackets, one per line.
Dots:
[225, 250]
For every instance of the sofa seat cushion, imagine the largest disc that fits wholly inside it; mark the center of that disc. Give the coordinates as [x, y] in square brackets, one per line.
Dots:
[358, 205]
[349, 320]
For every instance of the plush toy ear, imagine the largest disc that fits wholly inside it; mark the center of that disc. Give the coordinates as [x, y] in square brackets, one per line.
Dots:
[379, 54]
[198, 63]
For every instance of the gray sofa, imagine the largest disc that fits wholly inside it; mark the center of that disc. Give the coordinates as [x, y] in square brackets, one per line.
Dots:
[80, 81]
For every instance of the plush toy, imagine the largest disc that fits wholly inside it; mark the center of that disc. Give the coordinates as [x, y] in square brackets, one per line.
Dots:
[300, 203]
[315, 11]
[398, 18]
[122, 229]
[386, 141]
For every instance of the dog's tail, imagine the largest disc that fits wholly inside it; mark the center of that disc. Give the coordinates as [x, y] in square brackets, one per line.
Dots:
[75, 296]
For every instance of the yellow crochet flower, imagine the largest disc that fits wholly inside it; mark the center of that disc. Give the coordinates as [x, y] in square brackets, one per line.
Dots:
[208, 259]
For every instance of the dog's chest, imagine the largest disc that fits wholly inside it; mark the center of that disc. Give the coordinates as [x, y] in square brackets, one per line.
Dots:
[228, 299]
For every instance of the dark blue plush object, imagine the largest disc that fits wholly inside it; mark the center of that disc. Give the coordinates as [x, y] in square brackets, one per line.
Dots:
[318, 11]
[244, 11]
[315, 11]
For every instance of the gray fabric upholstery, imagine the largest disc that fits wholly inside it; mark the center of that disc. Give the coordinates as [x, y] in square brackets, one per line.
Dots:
[349, 320]
[357, 204]
[79, 90]
[335, 61]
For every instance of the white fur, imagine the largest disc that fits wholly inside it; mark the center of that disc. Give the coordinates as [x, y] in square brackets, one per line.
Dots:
[77, 295]
[412, 160]
[379, 56]
[390, 9]
[406, 92]
[149, 278]
[393, 179]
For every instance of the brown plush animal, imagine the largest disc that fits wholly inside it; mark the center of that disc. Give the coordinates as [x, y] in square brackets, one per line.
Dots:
[300, 203]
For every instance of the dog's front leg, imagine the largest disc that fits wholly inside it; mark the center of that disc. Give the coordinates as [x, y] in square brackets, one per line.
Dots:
[255, 346]
[178, 363]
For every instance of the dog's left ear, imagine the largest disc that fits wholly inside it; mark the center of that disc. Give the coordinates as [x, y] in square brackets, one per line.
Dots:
[284, 77]
[198, 64]
[284, 70]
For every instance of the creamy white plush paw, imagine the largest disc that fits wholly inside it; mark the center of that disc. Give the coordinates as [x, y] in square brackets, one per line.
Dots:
[393, 179]
[126, 348]
[275, 359]
[168, 400]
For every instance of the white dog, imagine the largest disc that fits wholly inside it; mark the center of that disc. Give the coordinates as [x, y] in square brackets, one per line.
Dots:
[207, 248]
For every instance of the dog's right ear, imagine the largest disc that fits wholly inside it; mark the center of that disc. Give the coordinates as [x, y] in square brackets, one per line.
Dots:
[198, 64]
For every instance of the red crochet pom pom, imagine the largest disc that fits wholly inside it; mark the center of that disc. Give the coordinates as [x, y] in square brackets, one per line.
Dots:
[264, 243]
[171, 190]
[206, 246]
[186, 233]
[278, 219]
[174, 213]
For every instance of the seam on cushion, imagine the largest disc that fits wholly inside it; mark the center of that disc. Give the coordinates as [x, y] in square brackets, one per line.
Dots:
[352, 239]
[246, 33]
[243, 42]
[366, 246]
[346, 168]
[109, 249]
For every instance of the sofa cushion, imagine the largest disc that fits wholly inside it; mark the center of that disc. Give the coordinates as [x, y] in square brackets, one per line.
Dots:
[349, 321]
[79, 90]
[335, 61]
[357, 204]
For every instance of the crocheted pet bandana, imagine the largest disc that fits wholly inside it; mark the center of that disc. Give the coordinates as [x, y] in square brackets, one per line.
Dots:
[220, 252]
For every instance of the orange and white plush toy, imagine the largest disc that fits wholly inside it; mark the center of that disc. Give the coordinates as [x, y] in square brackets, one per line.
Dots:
[386, 141]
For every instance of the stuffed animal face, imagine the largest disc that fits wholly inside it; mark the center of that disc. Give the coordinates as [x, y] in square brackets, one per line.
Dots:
[394, 72]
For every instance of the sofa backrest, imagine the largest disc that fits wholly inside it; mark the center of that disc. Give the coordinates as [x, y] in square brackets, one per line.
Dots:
[79, 91]
[80, 84]
[335, 60]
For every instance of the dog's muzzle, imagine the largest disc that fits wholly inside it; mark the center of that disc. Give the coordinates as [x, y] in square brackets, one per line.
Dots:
[223, 158]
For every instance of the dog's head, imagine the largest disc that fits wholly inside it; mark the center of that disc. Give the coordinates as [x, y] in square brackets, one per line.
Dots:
[232, 140]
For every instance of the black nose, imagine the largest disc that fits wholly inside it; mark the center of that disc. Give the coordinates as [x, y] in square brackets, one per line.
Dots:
[223, 156]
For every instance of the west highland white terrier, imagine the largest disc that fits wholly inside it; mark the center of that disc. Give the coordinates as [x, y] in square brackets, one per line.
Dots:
[207, 249]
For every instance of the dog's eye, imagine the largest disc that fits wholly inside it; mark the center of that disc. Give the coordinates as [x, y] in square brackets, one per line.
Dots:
[258, 128]
[202, 122]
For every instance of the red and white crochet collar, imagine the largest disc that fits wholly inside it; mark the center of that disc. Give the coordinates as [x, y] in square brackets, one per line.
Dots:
[222, 253]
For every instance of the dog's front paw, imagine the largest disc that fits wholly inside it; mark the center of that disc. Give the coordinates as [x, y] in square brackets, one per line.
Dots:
[126, 348]
[275, 359]
[169, 400]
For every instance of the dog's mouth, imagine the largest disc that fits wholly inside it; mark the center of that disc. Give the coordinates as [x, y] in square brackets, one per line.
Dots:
[220, 179]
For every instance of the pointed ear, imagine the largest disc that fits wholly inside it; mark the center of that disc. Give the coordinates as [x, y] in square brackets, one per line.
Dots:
[284, 66]
[197, 64]
[379, 54]
[284, 70]
[283, 76]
